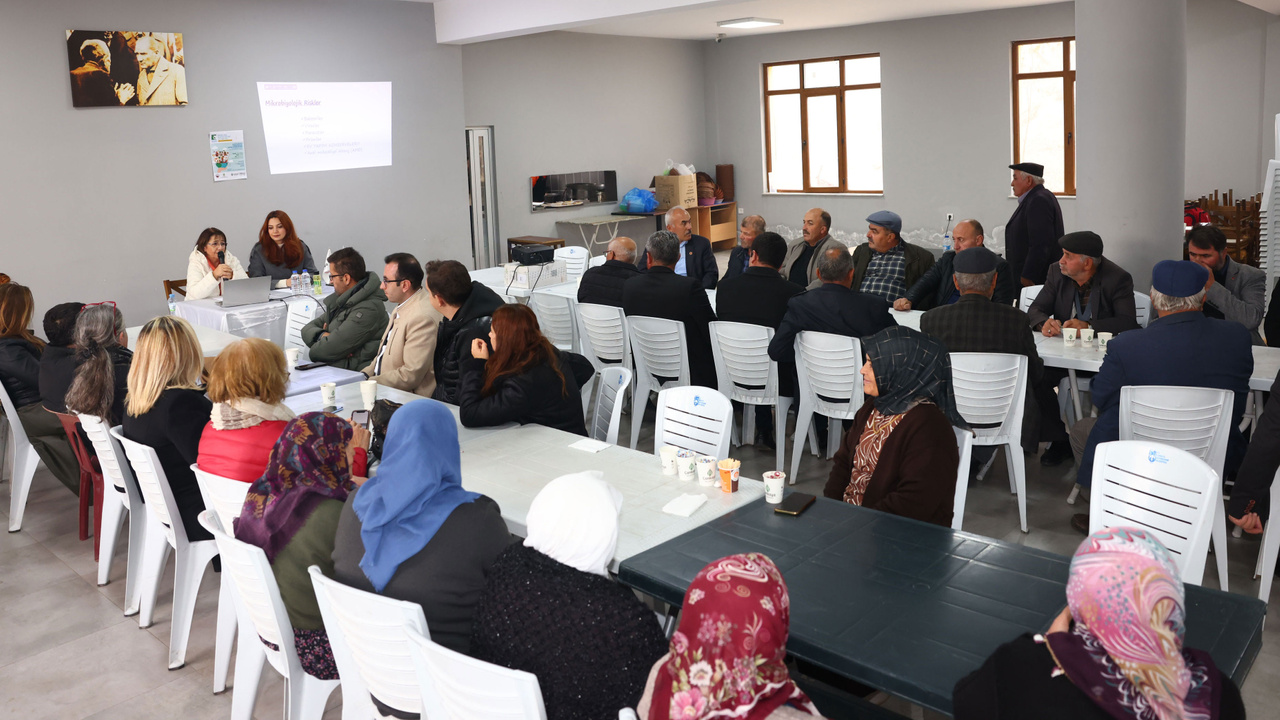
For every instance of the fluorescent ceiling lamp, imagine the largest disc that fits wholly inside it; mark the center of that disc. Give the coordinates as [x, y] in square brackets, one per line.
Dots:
[748, 23]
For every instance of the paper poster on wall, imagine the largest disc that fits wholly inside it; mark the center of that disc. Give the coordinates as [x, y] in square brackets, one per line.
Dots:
[113, 68]
[311, 127]
[226, 151]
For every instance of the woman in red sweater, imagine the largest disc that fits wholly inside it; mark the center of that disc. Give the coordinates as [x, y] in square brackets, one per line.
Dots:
[247, 383]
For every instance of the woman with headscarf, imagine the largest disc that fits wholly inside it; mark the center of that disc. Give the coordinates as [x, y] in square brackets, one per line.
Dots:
[900, 454]
[291, 512]
[412, 533]
[550, 608]
[1122, 657]
[728, 656]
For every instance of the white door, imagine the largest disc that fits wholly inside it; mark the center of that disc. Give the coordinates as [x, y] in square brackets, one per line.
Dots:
[487, 248]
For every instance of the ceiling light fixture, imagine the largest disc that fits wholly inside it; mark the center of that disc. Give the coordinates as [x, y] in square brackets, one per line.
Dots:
[748, 23]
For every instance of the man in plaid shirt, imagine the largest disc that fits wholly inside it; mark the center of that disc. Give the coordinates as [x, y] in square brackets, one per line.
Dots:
[887, 265]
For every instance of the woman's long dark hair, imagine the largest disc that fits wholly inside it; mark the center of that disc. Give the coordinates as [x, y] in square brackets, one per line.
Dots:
[287, 255]
[93, 390]
[521, 346]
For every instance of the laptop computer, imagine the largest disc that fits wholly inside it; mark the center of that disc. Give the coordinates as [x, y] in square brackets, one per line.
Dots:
[246, 292]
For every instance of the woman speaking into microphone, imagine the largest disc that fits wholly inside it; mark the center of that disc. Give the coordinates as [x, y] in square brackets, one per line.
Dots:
[210, 264]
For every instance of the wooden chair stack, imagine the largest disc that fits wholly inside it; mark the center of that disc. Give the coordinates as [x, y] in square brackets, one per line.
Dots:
[1238, 220]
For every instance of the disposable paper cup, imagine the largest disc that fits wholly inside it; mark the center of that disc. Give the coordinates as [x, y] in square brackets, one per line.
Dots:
[369, 392]
[1069, 336]
[1103, 339]
[686, 465]
[706, 471]
[291, 355]
[329, 394]
[1086, 336]
[729, 475]
[668, 455]
[773, 484]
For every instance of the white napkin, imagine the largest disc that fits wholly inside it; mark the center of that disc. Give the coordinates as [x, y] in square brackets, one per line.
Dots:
[589, 445]
[685, 505]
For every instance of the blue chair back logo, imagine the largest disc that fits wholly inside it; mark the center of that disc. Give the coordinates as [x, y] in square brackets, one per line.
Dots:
[698, 401]
[1155, 456]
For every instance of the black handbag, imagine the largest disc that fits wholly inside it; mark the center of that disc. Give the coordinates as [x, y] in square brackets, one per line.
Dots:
[379, 417]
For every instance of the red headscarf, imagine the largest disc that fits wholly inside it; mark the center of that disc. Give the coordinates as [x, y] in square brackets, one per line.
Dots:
[726, 658]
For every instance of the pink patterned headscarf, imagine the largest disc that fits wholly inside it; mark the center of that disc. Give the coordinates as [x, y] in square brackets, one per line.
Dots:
[1125, 649]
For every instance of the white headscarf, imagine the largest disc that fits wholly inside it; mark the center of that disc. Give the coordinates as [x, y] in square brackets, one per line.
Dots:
[574, 520]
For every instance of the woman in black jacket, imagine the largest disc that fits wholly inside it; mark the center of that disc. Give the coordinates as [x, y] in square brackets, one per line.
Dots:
[526, 380]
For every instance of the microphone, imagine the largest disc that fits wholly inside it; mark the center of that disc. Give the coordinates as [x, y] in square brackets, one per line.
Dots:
[222, 258]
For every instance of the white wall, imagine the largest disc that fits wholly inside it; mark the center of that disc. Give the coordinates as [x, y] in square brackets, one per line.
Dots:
[574, 102]
[104, 203]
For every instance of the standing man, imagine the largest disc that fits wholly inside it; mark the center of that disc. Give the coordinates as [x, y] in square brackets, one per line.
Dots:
[662, 293]
[1031, 235]
[160, 82]
[408, 345]
[695, 259]
[1233, 291]
[348, 334]
[937, 288]
[602, 285]
[801, 264]
[886, 265]
[740, 256]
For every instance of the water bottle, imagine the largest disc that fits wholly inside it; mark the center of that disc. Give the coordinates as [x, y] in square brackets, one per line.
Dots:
[304, 283]
[173, 303]
[293, 283]
[316, 288]
[946, 242]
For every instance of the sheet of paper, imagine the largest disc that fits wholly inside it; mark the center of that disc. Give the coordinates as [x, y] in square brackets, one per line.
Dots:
[589, 445]
[226, 152]
[685, 505]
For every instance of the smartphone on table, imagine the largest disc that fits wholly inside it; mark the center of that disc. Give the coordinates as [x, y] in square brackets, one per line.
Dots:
[794, 504]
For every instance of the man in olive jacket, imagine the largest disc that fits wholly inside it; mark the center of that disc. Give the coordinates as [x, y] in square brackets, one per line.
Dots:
[348, 333]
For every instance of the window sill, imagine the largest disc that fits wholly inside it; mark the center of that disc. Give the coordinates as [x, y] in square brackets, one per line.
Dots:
[822, 194]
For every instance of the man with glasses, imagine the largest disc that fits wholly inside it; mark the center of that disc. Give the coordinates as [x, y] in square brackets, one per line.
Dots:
[406, 352]
[348, 334]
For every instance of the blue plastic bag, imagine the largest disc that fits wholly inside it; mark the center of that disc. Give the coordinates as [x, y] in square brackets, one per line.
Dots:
[639, 200]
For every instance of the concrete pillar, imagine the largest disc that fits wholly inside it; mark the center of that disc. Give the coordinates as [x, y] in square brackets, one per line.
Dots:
[1131, 87]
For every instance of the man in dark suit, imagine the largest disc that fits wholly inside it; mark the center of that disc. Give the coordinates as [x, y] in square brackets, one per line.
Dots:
[1235, 292]
[91, 83]
[1083, 290]
[832, 308]
[759, 296]
[1181, 347]
[936, 288]
[886, 265]
[976, 323]
[602, 284]
[1031, 235]
[740, 256]
[694, 258]
[662, 293]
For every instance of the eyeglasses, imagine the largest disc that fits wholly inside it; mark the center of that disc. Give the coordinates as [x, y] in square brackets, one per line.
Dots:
[389, 281]
[112, 303]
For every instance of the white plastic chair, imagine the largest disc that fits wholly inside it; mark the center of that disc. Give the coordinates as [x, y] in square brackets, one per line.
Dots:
[1028, 296]
[1194, 419]
[1166, 491]
[368, 634]
[597, 261]
[556, 319]
[1142, 302]
[120, 497]
[25, 461]
[263, 615]
[660, 350]
[610, 392]
[747, 375]
[830, 383]
[302, 310]
[457, 687]
[225, 497]
[1266, 566]
[991, 391]
[964, 442]
[602, 335]
[166, 533]
[694, 418]
[575, 259]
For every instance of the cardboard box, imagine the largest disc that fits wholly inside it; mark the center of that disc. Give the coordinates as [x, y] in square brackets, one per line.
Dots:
[673, 190]
[528, 277]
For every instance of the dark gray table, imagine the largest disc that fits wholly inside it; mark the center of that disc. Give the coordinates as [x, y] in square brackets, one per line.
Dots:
[908, 607]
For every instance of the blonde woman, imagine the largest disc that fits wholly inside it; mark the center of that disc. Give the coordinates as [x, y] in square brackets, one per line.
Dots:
[166, 409]
[247, 383]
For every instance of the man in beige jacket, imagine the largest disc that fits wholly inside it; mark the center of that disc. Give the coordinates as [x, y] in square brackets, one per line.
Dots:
[406, 353]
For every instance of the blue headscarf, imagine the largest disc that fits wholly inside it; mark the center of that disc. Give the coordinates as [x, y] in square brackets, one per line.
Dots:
[418, 484]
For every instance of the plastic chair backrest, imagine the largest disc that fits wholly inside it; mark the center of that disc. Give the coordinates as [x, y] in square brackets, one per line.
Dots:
[1028, 296]
[694, 418]
[1161, 489]
[371, 629]
[255, 584]
[302, 310]
[458, 687]
[21, 442]
[154, 486]
[70, 426]
[659, 348]
[110, 453]
[555, 318]
[991, 391]
[602, 335]
[964, 442]
[575, 259]
[1142, 302]
[222, 495]
[829, 371]
[597, 261]
[609, 395]
[1194, 419]
[743, 368]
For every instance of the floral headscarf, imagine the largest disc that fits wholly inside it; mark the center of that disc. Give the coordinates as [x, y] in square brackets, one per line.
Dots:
[726, 658]
[1125, 649]
[308, 464]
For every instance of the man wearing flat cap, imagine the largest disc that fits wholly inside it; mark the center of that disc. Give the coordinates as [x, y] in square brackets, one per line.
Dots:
[886, 265]
[1082, 290]
[1181, 347]
[936, 287]
[1031, 235]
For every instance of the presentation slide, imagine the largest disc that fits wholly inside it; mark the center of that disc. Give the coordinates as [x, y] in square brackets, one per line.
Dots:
[326, 126]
